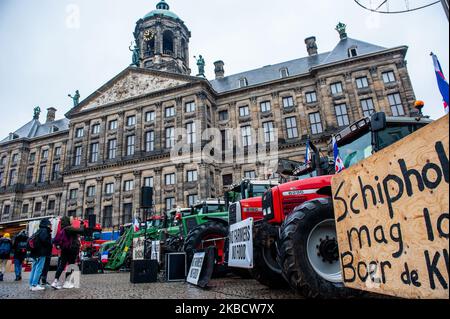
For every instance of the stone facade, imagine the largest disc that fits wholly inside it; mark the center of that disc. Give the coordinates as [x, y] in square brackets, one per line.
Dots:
[116, 141]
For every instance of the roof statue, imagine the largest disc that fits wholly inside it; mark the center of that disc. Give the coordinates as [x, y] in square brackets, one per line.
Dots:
[36, 113]
[75, 98]
[136, 54]
[201, 65]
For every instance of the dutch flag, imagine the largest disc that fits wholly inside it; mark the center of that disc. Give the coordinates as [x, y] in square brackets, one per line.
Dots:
[338, 163]
[442, 82]
[308, 153]
[136, 225]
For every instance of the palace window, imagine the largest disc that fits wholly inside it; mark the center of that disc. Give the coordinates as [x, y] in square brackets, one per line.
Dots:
[243, 82]
[30, 172]
[191, 138]
[288, 102]
[250, 174]
[96, 129]
[265, 106]
[291, 127]
[169, 179]
[150, 141]
[44, 154]
[130, 145]
[269, 134]
[12, 177]
[244, 111]
[150, 116]
[388, 77]
[396, 104]
[192, 176]
[190, 107]
[94, 153]
[79, 132]
[336, 88]
[192, 199]
[341, 114]
[131, 120]
[367, 107]
[284, 72]
[170, 137]
[223, 115]
[311, 97]
[73, 193]
[169, 111]
[55, 171]
[128, 185]
[57, 151]
[90, 192]
[148, 182]
[246, 134]
[316, 123]
[112, 125]
[362, 82]
[170, 203]
[112, 149]
[77, 156]
[109, 189]
[42, 174]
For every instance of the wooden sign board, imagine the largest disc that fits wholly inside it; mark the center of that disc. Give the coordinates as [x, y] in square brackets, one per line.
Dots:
[392, 217]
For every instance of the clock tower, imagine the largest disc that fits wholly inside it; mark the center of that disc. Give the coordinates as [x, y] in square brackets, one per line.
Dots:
[162, 41]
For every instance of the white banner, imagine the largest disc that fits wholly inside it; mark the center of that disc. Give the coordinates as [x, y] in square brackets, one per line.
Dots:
[196, 268]
[241, 244]
[138, 248]
[156, 251]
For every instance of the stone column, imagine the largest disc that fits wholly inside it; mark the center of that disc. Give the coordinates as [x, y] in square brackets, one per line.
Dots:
[138, 133]
[180, 185]
[98, 198]
[86, 144]
[80, 198]
[117, 209]
[44, 205]
[120, 141]
[102, 149]
[58, 204]
[203, 175]
[137, 194]
[157, 189]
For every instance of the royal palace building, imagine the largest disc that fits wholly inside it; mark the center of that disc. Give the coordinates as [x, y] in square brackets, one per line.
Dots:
[122, 137]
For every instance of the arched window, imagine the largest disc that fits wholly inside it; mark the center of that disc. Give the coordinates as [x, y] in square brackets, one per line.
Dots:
[168, 42]
[183, 49]
[150, 47]
[243, 82]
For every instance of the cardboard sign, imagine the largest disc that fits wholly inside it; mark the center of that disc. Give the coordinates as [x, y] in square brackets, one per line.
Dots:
[392, 217]
[241, 244]
[156, 251]
[196, 268]
[138, 248]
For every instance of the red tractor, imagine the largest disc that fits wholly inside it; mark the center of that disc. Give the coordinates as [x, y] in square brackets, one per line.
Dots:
[296, 240]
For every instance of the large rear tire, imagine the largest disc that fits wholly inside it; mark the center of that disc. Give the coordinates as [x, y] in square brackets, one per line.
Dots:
[265, 266]
[194, 243]
[308, 251]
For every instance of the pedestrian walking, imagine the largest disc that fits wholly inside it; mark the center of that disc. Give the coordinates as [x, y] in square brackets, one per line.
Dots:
[43, 280]
[20, 252]
[5, 253]
[40, 245]
[68, 241]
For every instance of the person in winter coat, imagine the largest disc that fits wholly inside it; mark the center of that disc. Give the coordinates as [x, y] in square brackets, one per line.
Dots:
[68, 241]
[20, 252]
[42, 249]
[5, 253]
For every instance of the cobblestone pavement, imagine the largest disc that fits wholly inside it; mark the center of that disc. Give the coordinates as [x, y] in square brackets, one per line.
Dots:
[116, 285]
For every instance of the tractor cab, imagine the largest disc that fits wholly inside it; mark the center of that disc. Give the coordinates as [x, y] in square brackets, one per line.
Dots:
[247, 188]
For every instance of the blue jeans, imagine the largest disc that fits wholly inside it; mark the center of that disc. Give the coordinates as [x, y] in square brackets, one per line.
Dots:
[18, 267]
[36, 270]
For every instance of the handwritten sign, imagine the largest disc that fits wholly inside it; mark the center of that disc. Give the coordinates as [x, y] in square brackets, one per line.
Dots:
[196, 268]
[392, 217]
[138, 248]
[156, 251]
[241, 244]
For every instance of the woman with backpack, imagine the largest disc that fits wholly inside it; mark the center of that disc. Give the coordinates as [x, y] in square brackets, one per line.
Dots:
[67, 240]
[40, 245]
[5, 253]
[20, 252]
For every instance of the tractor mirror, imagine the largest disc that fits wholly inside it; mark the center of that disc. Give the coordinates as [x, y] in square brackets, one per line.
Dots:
[378, 121]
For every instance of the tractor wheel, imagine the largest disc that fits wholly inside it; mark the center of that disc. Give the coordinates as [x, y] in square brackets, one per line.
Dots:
[195, 241]
[265, 266]
[308, 251]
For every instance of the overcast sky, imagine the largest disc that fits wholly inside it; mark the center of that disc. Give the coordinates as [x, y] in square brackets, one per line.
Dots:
[50, 48]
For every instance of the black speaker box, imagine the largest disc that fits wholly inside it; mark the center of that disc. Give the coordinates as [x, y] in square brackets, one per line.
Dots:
[146, 197]
[92, 220]
[176, 267]
[144, 271]
[89, 266]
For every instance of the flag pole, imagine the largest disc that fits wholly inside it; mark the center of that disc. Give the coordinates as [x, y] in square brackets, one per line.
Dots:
[445, 5]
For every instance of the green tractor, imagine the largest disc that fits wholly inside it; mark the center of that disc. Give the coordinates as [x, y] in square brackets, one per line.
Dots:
[207, 225]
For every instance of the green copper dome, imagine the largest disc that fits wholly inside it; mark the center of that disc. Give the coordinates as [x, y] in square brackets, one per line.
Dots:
[162, 8]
